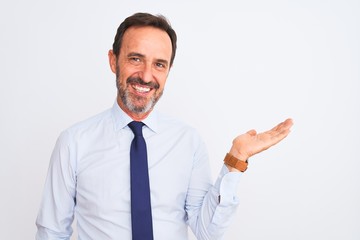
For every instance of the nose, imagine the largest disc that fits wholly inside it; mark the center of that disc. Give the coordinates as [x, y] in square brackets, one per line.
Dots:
[146, 73]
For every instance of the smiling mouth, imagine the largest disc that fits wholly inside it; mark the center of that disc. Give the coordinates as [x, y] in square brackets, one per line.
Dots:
[141, 89]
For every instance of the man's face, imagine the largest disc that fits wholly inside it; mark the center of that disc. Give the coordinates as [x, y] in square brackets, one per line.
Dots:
[141, 69]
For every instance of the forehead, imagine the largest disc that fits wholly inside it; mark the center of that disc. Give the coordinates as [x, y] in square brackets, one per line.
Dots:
[149, 41]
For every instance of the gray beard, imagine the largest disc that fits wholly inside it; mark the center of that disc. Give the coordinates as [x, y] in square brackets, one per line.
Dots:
[127, 97]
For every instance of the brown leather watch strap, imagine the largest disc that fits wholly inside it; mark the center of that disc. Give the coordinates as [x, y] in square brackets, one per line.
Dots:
[232, 161]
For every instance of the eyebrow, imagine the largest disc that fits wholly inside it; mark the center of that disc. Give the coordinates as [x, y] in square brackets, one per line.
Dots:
[163, 61]
[135, 54]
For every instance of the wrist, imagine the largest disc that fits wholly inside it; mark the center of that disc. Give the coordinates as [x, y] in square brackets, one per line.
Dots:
[235, 164]
[240, 156]
[231, 169]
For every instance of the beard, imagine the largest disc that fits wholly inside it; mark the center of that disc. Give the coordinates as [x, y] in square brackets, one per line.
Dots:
[134, 103]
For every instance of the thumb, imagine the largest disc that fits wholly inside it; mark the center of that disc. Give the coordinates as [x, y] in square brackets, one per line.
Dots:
[252, 132]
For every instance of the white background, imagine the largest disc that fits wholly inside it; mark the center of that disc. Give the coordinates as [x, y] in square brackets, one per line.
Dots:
[240, 65]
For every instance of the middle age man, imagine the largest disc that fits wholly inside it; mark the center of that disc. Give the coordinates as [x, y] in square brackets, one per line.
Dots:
[89, 173]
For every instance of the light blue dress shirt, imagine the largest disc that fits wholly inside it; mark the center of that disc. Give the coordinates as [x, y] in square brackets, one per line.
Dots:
[89, 178]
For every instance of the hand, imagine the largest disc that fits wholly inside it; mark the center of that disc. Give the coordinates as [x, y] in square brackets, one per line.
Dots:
[251, 143]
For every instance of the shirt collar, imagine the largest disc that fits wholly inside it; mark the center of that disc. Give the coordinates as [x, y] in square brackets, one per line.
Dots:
[121, 119]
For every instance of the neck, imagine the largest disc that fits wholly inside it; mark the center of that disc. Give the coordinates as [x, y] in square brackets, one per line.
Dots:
[135, 116]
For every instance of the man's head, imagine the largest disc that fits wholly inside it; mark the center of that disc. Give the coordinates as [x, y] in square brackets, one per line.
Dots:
[143, 52]
[143, 20]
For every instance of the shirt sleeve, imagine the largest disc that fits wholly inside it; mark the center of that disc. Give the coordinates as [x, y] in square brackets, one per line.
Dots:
[56, 212]
[210, 209]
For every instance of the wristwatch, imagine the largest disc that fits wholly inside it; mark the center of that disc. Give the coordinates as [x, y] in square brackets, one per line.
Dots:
[232, 161]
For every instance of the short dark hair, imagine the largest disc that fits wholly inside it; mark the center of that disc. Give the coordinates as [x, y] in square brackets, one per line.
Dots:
[142, 20]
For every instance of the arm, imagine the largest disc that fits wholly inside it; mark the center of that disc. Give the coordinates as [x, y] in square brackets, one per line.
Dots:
[209, 216]
[56, 212]
[210, 208]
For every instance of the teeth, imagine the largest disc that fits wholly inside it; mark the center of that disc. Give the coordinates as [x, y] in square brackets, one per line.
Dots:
[141, 89]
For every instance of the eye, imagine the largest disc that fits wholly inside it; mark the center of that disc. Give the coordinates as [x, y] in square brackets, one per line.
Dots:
[160, 65]
[135, 59]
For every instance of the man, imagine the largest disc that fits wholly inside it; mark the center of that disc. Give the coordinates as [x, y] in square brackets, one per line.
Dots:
[91, 172]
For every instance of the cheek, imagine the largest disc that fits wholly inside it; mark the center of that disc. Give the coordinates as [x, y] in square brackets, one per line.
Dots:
[124, 72]
[122, 77]
[121, 83]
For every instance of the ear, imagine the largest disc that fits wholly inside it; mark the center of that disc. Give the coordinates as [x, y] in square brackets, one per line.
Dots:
[112, 61]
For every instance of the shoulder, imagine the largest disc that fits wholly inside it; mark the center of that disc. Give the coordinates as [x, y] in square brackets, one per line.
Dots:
[90, 124]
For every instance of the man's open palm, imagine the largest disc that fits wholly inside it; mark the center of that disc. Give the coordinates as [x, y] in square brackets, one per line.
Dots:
[251, 143]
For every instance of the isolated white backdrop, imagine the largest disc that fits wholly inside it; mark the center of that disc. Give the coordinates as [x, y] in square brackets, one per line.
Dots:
[240, 65]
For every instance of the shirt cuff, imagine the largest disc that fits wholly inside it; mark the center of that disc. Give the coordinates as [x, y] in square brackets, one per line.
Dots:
[226, 185]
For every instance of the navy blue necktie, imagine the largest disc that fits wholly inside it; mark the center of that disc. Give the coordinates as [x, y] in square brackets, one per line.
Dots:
[141, 220]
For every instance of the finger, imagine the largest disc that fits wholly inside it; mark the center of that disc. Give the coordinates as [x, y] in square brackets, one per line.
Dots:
[279, 132]
[275, 138]
[283, 125]
[284, 129]
[252, 132]
[288, 123]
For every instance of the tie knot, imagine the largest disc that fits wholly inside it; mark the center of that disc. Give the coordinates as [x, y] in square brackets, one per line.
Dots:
[136, 127]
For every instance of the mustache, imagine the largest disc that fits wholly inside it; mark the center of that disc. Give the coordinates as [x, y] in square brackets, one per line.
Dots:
[138, 80]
